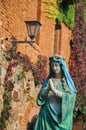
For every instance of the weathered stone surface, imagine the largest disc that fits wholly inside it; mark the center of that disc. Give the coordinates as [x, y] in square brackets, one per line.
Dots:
[1, 98]
[23, 99]
[15, 96]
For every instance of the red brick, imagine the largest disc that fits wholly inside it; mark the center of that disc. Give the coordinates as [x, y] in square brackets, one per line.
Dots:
[12, 17]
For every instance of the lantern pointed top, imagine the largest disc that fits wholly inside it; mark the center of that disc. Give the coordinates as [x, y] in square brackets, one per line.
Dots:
[32, 28]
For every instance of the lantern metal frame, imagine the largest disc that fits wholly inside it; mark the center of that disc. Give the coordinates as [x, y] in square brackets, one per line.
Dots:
[33, 27]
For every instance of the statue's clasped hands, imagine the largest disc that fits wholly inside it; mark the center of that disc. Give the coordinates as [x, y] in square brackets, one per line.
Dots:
[51, 84]
[53, 89]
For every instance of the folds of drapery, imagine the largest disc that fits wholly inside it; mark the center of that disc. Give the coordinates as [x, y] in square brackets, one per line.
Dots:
[48, 118]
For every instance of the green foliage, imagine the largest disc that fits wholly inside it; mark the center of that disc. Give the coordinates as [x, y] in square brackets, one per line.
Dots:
[62, 10]
[52, 11]
[83, 0]
[50, 2]
[84, 10]
[21, 75]
[84, 13]
[40, 69]
[15, 58]
[78, 61]
[84, 110]
[68, 14]
[80, 105]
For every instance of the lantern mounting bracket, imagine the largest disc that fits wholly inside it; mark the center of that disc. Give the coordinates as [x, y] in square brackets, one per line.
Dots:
[22, 41]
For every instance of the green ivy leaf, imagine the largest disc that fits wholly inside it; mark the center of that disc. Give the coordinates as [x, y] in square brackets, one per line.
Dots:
[21, 76]
[84, 110]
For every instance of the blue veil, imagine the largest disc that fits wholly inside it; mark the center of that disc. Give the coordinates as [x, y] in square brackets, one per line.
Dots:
[61, 61]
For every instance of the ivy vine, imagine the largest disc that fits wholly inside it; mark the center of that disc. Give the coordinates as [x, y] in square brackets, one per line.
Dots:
[14, 58]
[84, 11]
[78, 57]
[52, 11]
[63, 10]
[7, 98]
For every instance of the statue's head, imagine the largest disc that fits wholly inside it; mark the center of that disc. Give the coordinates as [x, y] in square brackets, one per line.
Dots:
[63, 69]
[55, 65]
[55, 58]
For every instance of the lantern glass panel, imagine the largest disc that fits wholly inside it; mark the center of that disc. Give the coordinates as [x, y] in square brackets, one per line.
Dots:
[32, 28]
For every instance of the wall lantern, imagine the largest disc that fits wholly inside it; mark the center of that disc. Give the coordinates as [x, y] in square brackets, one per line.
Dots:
[33, 27]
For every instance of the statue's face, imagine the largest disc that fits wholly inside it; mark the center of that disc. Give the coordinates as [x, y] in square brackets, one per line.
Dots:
[55, 67]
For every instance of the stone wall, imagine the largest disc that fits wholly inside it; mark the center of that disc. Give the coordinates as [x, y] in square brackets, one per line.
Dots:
[23, 94]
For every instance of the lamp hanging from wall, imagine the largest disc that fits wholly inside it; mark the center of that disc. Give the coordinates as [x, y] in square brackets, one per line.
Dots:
[32, 28]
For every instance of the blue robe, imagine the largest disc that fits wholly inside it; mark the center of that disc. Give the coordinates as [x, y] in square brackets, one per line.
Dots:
[49, 118]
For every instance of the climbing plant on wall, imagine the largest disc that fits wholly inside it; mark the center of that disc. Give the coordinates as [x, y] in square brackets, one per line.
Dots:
[14, 58]
[78, 56]
[84, 12]
[63, 10]
[39, 69]
[78, 49]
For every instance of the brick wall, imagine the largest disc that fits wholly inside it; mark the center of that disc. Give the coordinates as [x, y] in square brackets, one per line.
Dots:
[13, 13]
[12, 16]
[64, 37]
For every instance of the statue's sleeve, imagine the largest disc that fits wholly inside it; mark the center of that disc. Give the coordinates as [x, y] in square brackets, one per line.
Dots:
[44, 90]
[68, 102]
